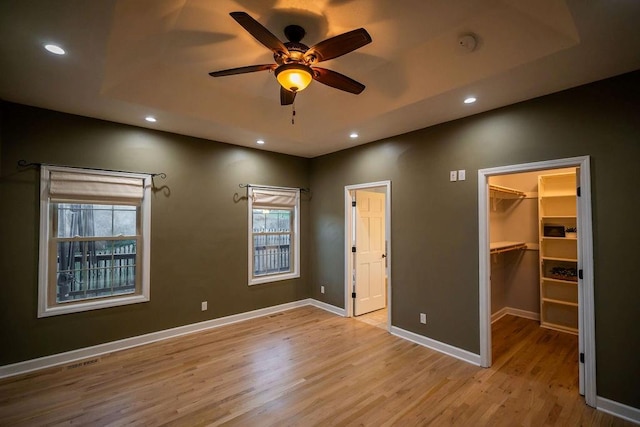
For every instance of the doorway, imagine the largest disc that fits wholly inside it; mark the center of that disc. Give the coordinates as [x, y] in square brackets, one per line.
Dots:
[367, 249]
[586, 322]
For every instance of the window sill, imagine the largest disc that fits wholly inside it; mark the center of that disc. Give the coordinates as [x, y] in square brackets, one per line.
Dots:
[68, 308]
[273, 278]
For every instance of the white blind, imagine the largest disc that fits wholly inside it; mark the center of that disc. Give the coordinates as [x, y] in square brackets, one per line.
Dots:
[83, 185]
[275, 197]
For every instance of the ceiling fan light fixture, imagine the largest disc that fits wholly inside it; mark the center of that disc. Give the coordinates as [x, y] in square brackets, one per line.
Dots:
[294, 77]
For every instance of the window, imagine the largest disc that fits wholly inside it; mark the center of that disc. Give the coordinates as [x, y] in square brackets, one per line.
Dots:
[94, 239]
[274, 237]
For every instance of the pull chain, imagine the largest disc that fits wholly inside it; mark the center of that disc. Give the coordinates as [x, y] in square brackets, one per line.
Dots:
[293, 113]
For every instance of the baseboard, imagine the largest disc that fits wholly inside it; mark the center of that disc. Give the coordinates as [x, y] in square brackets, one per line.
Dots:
[620, 410]
[328, 307]
[447, 349]
[101, 349]
[514, 312]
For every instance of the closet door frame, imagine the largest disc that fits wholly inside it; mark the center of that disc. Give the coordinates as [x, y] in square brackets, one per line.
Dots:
[586, 312]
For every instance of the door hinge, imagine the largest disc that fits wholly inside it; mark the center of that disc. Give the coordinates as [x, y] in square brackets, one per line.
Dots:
[581, 357]
[353, 203]
[579, 192]
[353, 248]
[580, 274]
[353, 294]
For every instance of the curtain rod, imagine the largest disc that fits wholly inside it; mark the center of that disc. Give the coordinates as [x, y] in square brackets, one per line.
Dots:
[306, 190]
[24, 164]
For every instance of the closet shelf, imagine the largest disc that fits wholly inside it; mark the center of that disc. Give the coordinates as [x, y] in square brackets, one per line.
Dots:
[558, 255]
[499, 247]
[500, 192]
[560, 302]
[564, 282]
[553, 258]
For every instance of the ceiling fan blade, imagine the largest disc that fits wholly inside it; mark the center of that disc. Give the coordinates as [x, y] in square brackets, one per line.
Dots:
[338, 45]
[337, 80]
[260, 33]
[286, 97]
[242, 70]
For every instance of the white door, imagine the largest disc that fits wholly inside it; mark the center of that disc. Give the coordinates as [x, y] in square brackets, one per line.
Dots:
[580, 295]
[369, 257]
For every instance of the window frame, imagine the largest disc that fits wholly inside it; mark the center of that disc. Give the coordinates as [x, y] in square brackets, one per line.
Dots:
[294, 241]
[47, 305]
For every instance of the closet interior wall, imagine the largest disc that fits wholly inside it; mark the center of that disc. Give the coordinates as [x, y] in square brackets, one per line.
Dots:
[515, 277]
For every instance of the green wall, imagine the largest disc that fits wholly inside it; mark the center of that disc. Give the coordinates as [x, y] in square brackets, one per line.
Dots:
[198, 229]
[434, 222]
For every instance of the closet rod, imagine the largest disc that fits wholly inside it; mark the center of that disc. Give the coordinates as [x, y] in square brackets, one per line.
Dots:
[24, 164]
[306, 190]
[508, 190]
[500, 247]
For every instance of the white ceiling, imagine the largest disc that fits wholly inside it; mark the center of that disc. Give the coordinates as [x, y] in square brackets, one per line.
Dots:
[127, 59]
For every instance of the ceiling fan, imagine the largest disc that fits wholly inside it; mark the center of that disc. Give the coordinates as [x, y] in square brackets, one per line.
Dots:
[295, 62]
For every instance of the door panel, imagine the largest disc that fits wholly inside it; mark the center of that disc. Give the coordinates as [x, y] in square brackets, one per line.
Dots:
[369, 262]
[580, 298]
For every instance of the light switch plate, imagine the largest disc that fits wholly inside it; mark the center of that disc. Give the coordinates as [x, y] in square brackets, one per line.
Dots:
[462, 175]
[453, 176]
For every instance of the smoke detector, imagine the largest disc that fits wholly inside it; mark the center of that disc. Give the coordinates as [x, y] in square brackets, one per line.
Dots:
[468, 42]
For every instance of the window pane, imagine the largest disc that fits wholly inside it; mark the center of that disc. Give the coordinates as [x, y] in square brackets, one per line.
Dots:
[259, 224]
[271, 220]
[95, 269]
[272, 254]
[86, 220]
[124, 221]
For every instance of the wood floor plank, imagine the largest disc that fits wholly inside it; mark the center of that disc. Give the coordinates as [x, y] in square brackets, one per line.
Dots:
[307, 367]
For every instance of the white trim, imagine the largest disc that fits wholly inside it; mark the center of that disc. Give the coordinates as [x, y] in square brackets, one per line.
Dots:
[100, 349]
[585, 247]
[514, 312]
[438, 346]
[43, 252]
[328, 307]
[295, 244]
[348, 259]
[620, 410]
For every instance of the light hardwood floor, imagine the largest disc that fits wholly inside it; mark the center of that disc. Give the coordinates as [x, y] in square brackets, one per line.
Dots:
[376, 318]
[308, 367]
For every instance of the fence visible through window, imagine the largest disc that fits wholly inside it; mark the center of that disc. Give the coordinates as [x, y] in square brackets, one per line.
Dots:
[271, 241]
[95, 269]
[272, 254]
[96, 250]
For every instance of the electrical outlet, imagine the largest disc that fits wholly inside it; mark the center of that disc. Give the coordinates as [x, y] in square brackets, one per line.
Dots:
[423, 318]
[204, 306]
[322, 289]
[462, 175]
[453, 176]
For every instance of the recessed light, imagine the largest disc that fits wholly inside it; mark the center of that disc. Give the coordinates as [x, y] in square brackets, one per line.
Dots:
[150, 119]
[260, 142]
[54, 48]
[353, 135]
[470, 100]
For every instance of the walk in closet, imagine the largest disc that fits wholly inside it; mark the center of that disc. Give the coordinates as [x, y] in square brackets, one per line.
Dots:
[533, 246]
